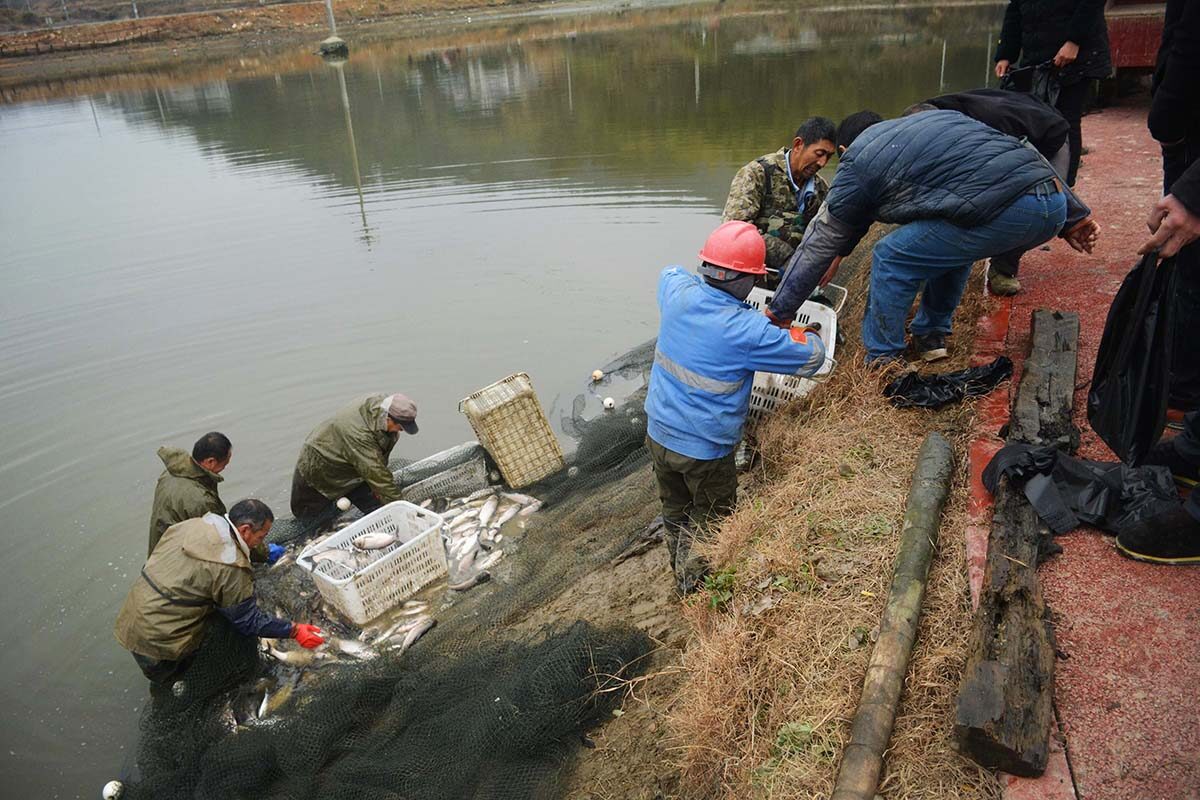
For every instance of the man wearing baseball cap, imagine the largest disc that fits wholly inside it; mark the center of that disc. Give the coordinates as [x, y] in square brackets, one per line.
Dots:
[347, 456]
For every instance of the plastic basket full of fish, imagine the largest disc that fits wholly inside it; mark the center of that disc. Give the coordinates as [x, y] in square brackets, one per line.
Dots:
[771, 391]
[378, 561]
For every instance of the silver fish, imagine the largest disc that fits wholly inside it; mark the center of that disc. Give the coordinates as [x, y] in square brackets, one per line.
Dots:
[353, 649]
[522, 499]
[509, 512]
[490, 560]
[418, 630]
[480, 493]
[262, 708]
[374, 541]
[488, 511]
[427, 502]
[297, 658]
[336, 555]
[283, 560]
[479, 577]
[531, 508]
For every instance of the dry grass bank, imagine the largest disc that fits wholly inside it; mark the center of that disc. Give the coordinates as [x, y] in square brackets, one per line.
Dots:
[774, 673]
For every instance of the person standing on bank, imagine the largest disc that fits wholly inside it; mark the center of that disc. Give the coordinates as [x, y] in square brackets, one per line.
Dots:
[1173, 536]
[780, 192]
[710, 344]
[347, 456]
[200, 566]
[1071, 34]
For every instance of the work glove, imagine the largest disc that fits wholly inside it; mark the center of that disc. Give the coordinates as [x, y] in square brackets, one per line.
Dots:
[274, 551]
[308, 636]
[778, 322]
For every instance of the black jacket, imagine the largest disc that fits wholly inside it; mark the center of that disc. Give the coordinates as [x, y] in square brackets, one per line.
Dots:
[1018, 114]
[1034, 30]
[1175, 110]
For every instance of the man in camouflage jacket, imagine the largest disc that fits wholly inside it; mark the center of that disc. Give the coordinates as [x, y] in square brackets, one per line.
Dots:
[780, 192]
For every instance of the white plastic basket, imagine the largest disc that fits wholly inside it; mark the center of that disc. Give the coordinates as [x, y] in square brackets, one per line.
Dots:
[416, 559]
[770, 390]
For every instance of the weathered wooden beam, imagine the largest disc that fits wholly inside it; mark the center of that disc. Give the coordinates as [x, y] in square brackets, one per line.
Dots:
[1005, 700]
[858, 774]
[1041, 412]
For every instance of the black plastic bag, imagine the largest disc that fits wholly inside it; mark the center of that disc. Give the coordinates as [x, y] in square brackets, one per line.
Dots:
[1039, 80]
[1067, 492]
[934, 391]
[1127, 404]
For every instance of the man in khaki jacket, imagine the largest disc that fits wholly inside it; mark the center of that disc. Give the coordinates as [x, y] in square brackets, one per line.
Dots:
[187, 487]
[200, 566]
[347, 456]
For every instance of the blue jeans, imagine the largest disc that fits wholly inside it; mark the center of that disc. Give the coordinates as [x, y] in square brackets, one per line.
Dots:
[940, 254]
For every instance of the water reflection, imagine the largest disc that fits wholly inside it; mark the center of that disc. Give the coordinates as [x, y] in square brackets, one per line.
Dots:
[244, 245]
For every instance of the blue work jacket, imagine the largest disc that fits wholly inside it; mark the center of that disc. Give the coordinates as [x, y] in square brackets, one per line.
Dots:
[709, 346]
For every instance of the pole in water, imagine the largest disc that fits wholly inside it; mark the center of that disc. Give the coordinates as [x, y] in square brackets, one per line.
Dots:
[941, 76]
[334, 45]
[987, 62]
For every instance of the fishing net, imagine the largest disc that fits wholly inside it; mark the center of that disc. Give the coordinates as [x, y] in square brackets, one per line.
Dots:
[493, 702]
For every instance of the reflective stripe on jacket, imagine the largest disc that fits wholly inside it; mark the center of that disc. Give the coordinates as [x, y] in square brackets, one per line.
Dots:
[709, 347]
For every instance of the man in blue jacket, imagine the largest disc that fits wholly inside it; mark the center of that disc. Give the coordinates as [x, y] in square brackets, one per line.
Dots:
[961, 190]
[710, 344]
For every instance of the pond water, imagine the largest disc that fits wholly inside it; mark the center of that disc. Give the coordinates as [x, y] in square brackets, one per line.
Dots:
[246, 246]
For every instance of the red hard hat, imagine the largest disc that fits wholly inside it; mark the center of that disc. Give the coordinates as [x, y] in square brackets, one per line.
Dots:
[737, 246]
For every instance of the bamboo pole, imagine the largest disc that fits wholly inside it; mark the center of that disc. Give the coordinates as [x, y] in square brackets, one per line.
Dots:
[858, 775]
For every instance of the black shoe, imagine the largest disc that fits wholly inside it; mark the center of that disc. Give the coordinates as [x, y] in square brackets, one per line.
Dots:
[1164, 454]
[930, 346]
[1169, 537]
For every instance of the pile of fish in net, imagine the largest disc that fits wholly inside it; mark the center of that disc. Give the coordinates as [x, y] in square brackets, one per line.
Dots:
[453, 694]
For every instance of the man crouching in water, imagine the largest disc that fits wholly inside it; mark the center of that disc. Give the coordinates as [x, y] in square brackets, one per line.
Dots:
[198, 567]
[710, 344]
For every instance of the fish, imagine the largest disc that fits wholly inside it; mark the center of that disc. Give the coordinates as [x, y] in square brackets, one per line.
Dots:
[283, 560]
[336, 555]
[262, 707]
[353, 649]
[489, 510]
[530, 509]
[520, 499]
[480, 493]
[273, 702]
[509, 512]
[296, 658]
[374, 541]
[427, 502]
[417, 631]
[492, 559]
[483, 576]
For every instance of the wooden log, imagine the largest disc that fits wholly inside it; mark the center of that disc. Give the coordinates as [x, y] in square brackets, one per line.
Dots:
[858, 774]
[1005, 700]
[1041, 412]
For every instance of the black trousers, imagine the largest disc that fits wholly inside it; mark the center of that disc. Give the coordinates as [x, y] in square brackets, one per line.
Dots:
[1070, 104]
[308, 502]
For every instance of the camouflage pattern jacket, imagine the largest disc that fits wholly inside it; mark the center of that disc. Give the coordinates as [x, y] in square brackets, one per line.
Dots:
[773, 208]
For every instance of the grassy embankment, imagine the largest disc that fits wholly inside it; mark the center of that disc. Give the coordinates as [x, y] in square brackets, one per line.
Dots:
[784, 631]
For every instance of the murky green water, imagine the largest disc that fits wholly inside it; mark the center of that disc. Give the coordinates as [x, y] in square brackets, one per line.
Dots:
[219, 252]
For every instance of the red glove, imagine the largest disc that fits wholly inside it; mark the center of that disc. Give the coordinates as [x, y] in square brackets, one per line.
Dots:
[800, 335]
[307, 635]
[776, 321]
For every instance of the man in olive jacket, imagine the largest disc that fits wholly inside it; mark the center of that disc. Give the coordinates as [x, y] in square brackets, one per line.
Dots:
[187, 487]
[200, 566]
[347, 456]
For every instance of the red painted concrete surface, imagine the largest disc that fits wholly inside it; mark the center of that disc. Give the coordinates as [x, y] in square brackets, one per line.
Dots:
[1128, 686]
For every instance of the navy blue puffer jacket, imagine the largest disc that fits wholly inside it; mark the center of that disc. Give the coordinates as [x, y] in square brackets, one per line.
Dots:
[935, 165]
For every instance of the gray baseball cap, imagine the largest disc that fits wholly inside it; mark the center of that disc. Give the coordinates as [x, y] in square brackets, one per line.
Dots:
[403, 411]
